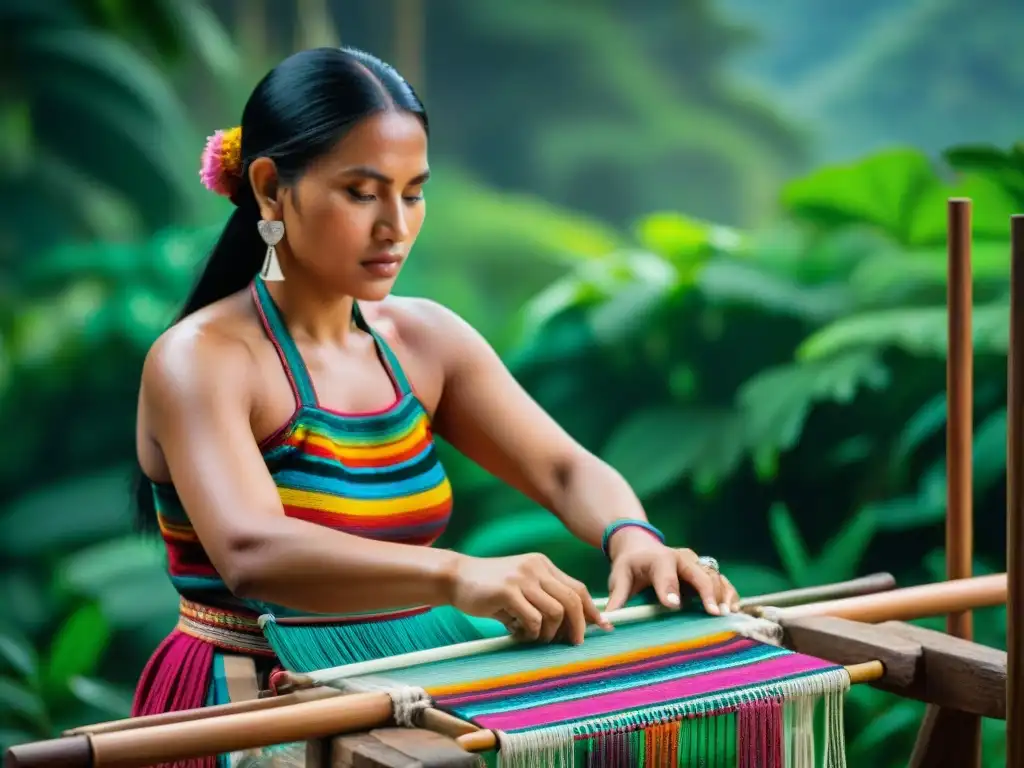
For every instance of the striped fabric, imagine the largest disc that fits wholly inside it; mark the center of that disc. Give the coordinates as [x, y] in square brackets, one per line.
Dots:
[682, 689]
[375, 475]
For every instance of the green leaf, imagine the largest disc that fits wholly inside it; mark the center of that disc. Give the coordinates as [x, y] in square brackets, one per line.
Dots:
[18, 654]
[898, 191]
[883, 190]
[683, 239]
[904, 513]
[900, 716]
[751, 580]
[917, 331]
[100, 695]
[77, 647]
[93, 569]
[27, 605]
[776, 402]
[656, 447]
[889, 275]
[76, 511]
[24, 703]
[732, 282]
[518, 533]
[842, 554]
[11, 736]
[628, 312]
[926, 421]
[789, 545]
[149, 598]
[989, 450]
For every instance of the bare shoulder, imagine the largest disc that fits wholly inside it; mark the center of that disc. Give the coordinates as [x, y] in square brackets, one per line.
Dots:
[422, 326]
[209, 351]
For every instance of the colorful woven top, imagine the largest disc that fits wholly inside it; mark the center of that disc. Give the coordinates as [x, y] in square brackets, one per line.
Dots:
[680, 689]
[375, 475]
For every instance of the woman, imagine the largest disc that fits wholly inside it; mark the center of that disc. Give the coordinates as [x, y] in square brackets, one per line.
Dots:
[285, 421]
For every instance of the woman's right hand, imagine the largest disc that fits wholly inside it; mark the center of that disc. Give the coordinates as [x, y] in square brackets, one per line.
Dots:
[529, 595]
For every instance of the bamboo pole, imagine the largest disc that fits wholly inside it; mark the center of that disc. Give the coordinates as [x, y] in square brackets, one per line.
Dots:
[1015, 503]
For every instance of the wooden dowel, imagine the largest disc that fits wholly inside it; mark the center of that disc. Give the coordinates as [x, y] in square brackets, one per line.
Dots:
[1015, 502]
[865, 585]
[484, 740]
[140, 747]
[217, 710]
[960, 399]
[908, 603]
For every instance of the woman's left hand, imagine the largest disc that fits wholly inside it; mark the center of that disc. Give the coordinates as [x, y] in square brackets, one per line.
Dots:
[640, 561]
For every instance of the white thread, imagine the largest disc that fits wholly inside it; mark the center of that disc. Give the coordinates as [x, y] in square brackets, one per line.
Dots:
[408, 702]
[544, 748]
[759, 629]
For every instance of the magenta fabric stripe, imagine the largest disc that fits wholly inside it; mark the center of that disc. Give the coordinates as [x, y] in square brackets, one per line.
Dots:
[682, 658]
[763, 672]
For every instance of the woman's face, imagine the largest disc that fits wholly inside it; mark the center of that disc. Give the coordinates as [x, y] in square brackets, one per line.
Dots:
[352, 218]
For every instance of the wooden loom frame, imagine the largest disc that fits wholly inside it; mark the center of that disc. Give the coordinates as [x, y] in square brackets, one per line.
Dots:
[860, 624]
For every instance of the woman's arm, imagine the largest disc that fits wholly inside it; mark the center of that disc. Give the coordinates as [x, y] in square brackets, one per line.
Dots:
[196, 396]
[486, 414]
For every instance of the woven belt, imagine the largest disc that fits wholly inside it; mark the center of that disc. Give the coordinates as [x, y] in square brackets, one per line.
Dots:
[225, 629]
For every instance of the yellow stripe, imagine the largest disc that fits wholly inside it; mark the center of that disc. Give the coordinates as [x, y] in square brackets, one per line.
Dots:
[366, 507]
[354, 450]
[564, 670]
[177, 531]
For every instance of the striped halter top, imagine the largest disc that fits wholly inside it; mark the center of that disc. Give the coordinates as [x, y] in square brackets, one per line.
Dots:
[375, 475]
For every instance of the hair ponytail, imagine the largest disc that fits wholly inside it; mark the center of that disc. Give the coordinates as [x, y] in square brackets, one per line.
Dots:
[295, 115]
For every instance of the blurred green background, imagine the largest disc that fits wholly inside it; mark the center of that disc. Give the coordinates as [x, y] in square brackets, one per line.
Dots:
[707, 235]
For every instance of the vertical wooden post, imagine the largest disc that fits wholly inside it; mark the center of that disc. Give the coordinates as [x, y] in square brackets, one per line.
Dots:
[1015, 502]
[947, 737]
[960, 397]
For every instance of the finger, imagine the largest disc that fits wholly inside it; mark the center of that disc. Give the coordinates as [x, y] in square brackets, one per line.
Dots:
[620, 586]
[664, 575]
[591, 613]
[528, 619]
[574, 622]
[695, 575]
[551, 610]
[732, 597]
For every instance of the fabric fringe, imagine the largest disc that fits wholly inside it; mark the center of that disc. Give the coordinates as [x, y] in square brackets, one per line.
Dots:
[310, 647]
[770, 727]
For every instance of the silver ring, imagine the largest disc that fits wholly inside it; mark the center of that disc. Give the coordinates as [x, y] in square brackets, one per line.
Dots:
[708, 562]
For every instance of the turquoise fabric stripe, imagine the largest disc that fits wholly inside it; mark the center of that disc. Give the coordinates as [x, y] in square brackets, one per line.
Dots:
[302, 480]
[279, 331]
[392, 359]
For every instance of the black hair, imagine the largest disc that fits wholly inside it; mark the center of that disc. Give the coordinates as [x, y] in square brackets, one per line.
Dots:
[296, 114]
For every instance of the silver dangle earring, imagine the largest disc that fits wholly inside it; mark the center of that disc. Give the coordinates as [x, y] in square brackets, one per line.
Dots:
[271, 232]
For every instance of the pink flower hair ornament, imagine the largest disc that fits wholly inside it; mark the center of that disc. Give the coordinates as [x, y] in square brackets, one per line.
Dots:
[221, 163]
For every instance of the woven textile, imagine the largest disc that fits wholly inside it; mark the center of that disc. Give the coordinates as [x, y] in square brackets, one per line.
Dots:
[673, 690]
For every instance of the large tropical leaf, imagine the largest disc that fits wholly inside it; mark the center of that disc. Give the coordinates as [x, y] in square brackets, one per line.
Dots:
[776, 402]
[917, 331]
[899, 192]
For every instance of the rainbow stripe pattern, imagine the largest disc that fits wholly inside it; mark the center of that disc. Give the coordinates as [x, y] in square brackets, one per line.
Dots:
[376, 475]
[681, 689]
